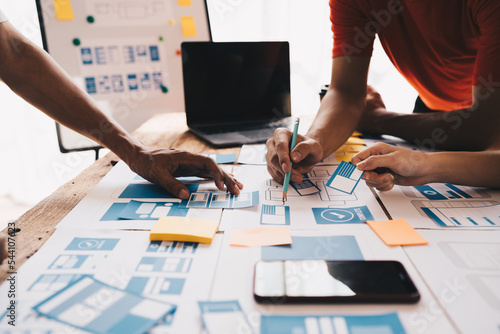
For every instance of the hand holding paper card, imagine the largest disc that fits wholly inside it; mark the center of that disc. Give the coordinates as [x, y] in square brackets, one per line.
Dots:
[345, 178]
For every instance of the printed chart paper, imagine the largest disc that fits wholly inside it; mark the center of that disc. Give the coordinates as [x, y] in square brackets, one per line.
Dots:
[100, 308]
[224, 317]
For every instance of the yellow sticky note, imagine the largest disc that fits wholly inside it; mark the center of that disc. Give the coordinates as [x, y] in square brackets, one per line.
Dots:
[258, 237]
[356, 134]
[188, 26]
[63, 9]
[184, 2]
[355, 141]
[347, 157]
[184, 229]
[397, 232]
[350, 149]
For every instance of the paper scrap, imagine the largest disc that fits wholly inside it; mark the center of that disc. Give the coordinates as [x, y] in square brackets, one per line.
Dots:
[397, 232]
[224, 317]
[305, 188]
[345, 178]
[184, 229]
[356, 134]
[188, 26]
[355, 141]
[186, 3]
[258, 237]
[64, 10]
[87, 304]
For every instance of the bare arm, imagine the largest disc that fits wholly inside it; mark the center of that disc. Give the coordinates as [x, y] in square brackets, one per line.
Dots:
[410, 168]
[34, 75]
[470, 129]
[338, 115]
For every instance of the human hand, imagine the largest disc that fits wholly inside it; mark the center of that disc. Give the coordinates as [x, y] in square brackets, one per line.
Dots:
[161, 166]
[408, 168]
[305, 155]
[374, 108]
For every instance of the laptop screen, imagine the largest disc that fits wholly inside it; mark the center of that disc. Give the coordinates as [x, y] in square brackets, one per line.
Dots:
[235, 82]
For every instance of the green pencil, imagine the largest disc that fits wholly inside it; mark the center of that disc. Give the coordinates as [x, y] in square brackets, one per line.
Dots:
[292, 146]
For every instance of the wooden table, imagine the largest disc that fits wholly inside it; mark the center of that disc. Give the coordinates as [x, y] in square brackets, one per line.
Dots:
[37, 225]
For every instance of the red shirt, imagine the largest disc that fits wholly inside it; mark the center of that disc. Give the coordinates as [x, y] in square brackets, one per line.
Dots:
[442, 47]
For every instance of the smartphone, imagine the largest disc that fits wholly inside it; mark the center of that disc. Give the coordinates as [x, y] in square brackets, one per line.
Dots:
[318, 281]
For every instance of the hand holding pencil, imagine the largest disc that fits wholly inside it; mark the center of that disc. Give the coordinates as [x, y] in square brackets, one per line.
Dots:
[292, 146]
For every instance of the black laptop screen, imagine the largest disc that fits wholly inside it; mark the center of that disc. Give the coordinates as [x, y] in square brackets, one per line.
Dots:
[235, 82]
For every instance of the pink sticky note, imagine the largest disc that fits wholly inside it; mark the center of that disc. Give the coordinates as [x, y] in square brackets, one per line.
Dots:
[258, 237]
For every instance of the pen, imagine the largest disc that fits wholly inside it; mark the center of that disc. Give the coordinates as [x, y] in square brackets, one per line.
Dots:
[292, 146]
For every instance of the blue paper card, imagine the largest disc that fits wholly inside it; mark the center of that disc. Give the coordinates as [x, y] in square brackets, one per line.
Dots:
[358, 214]
[137, 210]
[275, 215]
[346, 324]
[220, 200]
[224, 317]
[345, 178]
[96, 307]
[305, 188]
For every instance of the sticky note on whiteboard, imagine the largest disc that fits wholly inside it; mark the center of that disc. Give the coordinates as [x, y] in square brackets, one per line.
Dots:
[185, 3]
[345, 178]
[63, 9]
[188, 26]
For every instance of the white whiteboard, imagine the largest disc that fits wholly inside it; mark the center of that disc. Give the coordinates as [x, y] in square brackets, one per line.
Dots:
[124, 53]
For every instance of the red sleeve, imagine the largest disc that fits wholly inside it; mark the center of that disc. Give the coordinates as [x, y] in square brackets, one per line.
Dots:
[351, 29]
[487, 69]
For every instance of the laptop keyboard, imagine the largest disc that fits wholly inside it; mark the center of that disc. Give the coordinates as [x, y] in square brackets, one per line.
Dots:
[243, 127]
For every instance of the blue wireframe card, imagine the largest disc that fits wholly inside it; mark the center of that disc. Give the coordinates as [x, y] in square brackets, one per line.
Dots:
[305, 188]
[224, 317]
[96, 307]
[345, 178]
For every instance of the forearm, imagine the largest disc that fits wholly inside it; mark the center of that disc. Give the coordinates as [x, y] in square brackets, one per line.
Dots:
[466, 168]
[33, 75]
[336, 120]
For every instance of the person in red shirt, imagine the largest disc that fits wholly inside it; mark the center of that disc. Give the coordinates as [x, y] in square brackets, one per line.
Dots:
[447, 50]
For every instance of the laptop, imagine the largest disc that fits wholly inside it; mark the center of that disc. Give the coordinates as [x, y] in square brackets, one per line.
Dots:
[236, 92]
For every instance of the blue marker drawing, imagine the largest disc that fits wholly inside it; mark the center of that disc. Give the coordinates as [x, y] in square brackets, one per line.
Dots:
[157, 80]
[133, 84]
[166, 265]
[359, 214]
[338, 247]
[117, 83]
[154, 53]
[104, 84]
[128, 54]
[345, 178]
[173, 247]
[93, 244]
[148, 190]
[90, 85]
[86, 56]
[346, 324]
[145, 80]
[141, 52]
[209, 200]
[156, 285]
[70, 261]
[275, 215]
[100, 55]
[305, 188]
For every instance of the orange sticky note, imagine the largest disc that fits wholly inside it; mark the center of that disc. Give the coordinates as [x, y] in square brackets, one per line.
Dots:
[397, 232]
[345, 157]
[188, 26]
[184, 2]
[356, 134]
[63, 9]
[258, 237]
[355, 141]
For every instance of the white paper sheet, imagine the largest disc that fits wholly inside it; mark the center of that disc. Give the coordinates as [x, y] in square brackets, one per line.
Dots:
[462, 268]
[234, 279]
[174, 272]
